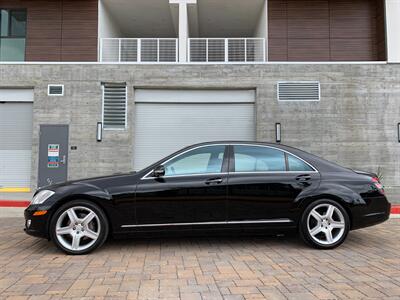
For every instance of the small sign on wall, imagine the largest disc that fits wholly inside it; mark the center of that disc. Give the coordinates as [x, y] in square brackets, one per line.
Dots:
[53, 155]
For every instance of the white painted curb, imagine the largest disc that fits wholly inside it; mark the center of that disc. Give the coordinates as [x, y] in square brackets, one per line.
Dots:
[12, 212]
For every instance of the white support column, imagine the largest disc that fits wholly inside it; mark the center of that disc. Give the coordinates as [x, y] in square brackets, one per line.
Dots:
[183, 27]
[392, 30]
[107, 26]
[262, 27]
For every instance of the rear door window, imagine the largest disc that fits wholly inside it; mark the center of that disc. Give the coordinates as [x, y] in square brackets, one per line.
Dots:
[297, 165]
[258, 159]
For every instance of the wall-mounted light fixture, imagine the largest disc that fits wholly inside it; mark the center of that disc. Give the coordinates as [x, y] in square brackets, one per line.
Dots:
[278, 132]
[398, 132]
[99, 134]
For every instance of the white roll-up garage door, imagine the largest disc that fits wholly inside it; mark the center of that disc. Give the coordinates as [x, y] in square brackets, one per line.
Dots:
[168, 120]
[15, 138]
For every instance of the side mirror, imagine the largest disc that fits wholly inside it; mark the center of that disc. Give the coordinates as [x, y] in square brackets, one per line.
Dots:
[159, 171]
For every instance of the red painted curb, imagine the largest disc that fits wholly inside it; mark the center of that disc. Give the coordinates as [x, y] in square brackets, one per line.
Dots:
[395, 209]
[14, 203]
[25, 203]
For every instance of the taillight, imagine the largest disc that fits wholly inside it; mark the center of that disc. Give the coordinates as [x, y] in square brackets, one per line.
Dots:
[378, 185]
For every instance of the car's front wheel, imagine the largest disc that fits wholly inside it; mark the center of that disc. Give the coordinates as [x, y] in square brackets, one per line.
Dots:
[324, 224]
[79, 227]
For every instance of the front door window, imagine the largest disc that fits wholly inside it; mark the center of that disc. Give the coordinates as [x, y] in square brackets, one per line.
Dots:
[204, 160]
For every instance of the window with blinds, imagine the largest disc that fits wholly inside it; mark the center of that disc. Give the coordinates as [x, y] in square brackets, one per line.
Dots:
[114, 106]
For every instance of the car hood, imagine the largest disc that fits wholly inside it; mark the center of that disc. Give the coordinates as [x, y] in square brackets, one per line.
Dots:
[98, 182]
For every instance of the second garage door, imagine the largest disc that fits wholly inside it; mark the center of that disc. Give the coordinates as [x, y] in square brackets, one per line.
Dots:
[168, 120]
[15, 139]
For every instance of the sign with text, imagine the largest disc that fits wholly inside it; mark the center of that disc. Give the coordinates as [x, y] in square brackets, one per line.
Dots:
[53, 155]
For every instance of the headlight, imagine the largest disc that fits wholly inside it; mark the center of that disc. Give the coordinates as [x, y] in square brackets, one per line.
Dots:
[42, 196]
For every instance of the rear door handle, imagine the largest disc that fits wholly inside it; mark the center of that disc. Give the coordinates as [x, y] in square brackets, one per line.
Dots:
[303, 178]
[214, 181]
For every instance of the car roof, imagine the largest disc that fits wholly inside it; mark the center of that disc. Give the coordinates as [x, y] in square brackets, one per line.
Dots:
[233, 142]
[229, 142]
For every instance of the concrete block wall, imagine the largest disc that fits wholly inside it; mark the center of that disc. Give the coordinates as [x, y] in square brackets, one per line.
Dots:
[354, 124]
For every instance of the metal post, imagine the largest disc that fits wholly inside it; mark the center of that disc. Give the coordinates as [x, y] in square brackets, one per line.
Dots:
[207, 50]
[101, 51]
[158, 50]
[264, 50]
[245, 50]
[119, 50]
[177, 50]
[139, 50]
[226, 50]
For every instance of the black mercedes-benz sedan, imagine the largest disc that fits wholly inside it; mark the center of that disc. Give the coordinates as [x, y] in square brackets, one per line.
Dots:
[224, 186]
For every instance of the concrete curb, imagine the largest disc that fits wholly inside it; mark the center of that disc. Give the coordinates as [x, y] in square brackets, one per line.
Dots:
[11, 212]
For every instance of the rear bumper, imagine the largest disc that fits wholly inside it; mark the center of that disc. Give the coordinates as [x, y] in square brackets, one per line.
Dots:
[375, 211]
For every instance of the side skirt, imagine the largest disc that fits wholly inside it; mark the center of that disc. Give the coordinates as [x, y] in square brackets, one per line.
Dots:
[256, 222]
[232, 230]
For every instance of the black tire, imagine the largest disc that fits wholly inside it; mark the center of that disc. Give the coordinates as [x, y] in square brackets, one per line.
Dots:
[314, 241]
[100, 222]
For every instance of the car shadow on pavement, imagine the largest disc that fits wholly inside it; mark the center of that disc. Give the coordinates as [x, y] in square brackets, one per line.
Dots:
[202, 242]
[217, 243]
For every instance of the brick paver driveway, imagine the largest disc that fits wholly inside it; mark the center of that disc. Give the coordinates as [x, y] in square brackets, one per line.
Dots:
[367, 265]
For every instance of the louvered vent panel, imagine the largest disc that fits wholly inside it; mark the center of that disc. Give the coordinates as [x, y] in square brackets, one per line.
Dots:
[114, 106]
[299, 91]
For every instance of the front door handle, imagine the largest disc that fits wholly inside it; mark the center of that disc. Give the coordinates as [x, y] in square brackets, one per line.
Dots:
[303, 178]
[214, 181]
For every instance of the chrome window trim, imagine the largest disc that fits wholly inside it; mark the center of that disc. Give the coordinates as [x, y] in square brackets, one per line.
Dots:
[274, 172]
[268, 221]
[145, 177]
[187, 175]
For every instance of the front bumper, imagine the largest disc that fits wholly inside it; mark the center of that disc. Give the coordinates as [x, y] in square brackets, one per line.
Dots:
[36, 225]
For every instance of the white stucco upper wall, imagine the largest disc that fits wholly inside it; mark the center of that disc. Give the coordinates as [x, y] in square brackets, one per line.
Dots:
[393, 30]
[108, 28]
[262, 25]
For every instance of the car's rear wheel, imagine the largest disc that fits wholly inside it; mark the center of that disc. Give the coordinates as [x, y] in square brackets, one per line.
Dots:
[79, 227]
[324, 224]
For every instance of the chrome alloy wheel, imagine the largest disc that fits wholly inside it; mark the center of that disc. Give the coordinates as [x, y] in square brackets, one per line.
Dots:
[78, 228]
[326, 224]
